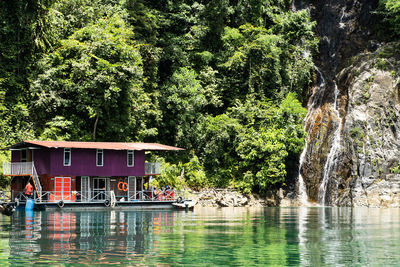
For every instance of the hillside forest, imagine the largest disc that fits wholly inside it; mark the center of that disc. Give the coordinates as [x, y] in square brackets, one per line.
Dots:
[226, 80]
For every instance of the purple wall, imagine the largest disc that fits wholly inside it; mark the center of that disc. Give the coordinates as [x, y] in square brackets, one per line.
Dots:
[41, 159]
[15, 156]
[83, 163]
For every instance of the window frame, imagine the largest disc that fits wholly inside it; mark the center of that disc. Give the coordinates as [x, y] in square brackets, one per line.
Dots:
[67, 151]
[24, 159]
[98, 152]
[130, 152]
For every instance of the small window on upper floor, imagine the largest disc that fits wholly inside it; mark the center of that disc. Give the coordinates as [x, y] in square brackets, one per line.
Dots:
[67, 156]
[23, 155]
[99, 157]
[131, 158]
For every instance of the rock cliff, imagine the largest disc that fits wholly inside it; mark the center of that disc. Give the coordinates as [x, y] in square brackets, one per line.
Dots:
[351, 157]
[368, 174]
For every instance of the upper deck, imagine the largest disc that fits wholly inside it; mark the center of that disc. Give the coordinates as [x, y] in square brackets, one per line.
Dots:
[83, 158]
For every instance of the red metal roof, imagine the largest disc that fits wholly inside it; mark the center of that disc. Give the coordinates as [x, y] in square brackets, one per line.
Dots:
[98, 145]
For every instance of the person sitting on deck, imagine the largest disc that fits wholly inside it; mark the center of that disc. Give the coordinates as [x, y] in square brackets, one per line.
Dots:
[168, 193]
[28, 190]
[158, 194]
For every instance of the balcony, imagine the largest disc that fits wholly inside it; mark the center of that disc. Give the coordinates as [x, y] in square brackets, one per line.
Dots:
[18, 168]
[152, 168]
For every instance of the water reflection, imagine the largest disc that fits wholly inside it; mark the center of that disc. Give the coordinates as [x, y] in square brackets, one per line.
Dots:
[85, 237]
[206, 237]
[349, 237]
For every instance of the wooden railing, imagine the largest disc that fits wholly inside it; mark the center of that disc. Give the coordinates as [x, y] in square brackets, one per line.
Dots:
[152, 168]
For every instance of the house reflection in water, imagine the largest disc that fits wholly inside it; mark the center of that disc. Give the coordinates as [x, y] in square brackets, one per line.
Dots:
[53, 234]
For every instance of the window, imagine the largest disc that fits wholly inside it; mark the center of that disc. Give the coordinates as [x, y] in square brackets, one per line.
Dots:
[99, 157]
[131, 158]
[67, 156]
[23, 155]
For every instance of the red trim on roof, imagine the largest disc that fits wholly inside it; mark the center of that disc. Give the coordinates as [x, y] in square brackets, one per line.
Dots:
[101, 145]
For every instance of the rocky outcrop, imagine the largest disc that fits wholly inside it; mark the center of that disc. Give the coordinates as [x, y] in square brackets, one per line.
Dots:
[369, 174]
[366, 161]
[333, 167]
[230, 198]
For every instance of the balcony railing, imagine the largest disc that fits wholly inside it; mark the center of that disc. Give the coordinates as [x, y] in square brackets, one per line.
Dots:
[18, 168]
[152, 168]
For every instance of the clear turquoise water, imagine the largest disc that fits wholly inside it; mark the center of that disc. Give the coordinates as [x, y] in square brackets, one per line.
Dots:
[205, 237]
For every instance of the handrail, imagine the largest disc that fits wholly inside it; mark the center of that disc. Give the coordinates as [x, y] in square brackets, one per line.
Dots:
[17, 168]
[99, 196]
[36, 181]
[24, 168]
[151, 195]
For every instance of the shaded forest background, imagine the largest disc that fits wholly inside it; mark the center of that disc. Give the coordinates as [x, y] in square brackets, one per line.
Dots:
[226, 80]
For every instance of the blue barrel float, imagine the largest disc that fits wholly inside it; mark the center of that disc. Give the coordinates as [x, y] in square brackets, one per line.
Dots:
[30, 203]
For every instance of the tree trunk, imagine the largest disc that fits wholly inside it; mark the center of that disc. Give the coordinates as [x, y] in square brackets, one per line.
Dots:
[95, 128]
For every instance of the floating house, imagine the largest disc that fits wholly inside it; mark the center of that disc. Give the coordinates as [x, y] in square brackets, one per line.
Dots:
[77, 174]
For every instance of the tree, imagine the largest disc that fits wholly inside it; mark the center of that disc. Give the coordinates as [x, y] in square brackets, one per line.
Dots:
[391, 11]
[94, 80]
[185, 100]
[249, 147]
[271, 136]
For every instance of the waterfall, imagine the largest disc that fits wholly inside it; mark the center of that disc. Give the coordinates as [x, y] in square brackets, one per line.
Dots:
[303, 197]
[324, 122]
[332, 158]
[341, 23]
[312, 104]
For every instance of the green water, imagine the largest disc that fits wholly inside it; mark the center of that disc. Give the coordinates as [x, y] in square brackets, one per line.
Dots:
[205, 237]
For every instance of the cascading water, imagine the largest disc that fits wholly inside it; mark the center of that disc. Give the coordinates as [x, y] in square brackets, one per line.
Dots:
[331, 161]
[341, 24]
[334, 153]
[323, 106]
[309, 120]
[303, 198]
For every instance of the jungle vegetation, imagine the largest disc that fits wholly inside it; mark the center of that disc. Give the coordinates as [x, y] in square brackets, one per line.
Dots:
[225, 80]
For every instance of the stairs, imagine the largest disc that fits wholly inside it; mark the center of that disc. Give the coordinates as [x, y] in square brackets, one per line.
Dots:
[24, 169]
[36, 182]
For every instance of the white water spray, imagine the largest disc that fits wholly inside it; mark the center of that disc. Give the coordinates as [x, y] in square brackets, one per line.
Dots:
[303, 197]
[341, 23]
[332, 159]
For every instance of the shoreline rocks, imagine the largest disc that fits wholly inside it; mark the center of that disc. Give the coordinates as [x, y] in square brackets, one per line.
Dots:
[213, 197]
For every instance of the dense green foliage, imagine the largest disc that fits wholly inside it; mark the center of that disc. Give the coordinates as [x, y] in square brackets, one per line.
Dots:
[391, 12]
[222, 79]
